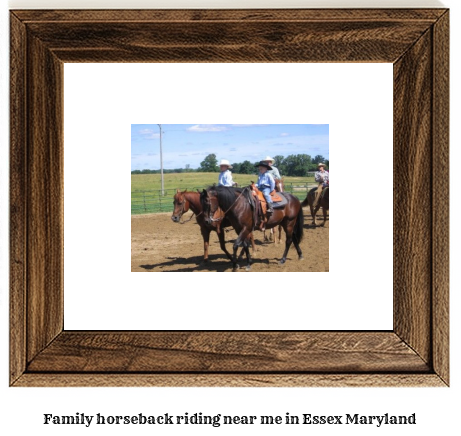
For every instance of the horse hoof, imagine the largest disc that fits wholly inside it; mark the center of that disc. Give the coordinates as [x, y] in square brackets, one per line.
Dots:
[248, 268]
[282, 261]
[301, 257]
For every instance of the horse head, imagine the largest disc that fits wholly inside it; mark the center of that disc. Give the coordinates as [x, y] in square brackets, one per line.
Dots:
[181, 206]
[212, 213]
[279, 185]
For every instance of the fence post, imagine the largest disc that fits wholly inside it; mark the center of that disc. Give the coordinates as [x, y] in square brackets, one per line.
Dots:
[144, 200]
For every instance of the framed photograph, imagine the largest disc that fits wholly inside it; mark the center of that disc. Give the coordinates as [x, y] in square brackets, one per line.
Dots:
[415, 352]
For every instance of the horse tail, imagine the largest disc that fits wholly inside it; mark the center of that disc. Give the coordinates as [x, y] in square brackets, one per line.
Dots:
[309, 196]
[298, 231]
[305, 202]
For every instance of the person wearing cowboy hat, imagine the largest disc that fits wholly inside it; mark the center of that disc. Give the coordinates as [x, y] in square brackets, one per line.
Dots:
[266, 183]
[274, 171]
[225, 176]
[322, 178]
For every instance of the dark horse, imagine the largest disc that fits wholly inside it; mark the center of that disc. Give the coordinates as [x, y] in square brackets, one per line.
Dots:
[279, 187]
[237, 205]
[324, 203]
[183, 201]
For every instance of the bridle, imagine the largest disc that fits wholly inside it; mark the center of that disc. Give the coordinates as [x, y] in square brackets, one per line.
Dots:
[218, 211]
[183, 207]
[222, 214]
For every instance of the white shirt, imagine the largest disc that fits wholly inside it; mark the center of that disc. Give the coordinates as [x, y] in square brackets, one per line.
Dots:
[225, 178]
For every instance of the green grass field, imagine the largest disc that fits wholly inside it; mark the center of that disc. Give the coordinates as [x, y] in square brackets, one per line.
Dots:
[146, 196]
[151, 182]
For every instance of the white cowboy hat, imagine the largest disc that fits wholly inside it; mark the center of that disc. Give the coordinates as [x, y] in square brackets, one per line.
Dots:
[320, 164]
[225, 162]
[269, 158]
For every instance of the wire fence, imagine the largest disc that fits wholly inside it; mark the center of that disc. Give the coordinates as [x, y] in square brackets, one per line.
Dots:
[154, 202]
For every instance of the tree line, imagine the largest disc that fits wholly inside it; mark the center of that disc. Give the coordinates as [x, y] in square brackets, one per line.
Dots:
[298, 165]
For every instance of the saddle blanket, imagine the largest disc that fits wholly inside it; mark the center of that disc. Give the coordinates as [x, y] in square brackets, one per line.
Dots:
[278, 199]
[281, 203]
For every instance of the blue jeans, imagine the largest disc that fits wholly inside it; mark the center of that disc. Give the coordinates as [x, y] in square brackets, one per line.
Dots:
[266, 192]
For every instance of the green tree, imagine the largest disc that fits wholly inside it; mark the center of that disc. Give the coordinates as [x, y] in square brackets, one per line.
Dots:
[236, 168]
[279, 164]
[297, 165]
[209, 164]
[246, 167]
[317, 159]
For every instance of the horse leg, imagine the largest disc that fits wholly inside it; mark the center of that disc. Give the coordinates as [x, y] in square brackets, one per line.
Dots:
[247, 251]
[324, 216]
[315, 213]
[222, 243]
[241, 240]
[271, 236]
[206, 242]
[253, 245]
[289, 233]
[280, 234]
[312, 214]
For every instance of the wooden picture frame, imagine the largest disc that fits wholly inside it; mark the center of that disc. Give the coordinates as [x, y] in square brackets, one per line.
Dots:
[414, 353]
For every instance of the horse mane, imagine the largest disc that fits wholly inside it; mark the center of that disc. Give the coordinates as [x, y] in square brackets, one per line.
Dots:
[226, 195]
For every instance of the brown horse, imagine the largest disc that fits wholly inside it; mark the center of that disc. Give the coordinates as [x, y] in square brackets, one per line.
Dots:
[279, 187]
[323, 203]
[237, 205]
[185, 200]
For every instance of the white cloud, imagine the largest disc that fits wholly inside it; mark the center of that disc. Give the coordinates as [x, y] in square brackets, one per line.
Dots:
[284, 134]
[149, 134]
[248, 125]
[206, 128]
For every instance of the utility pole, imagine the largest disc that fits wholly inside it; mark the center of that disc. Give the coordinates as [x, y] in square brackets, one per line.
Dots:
[161, 159]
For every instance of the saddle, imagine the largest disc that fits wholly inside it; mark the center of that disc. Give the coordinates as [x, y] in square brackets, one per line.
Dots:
[260, 210]
[324, 192]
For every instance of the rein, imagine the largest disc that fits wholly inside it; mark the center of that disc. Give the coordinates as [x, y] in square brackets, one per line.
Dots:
[192, 216]
[231, 206]
[183, 203]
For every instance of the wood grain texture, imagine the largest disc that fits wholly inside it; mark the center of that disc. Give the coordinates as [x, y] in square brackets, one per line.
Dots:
[204, 15]
[414, 354]
[230, 380]
[440, 206]
[211, 352]
[18, 192]
[44, 198]
[247, 41]
[413, 196]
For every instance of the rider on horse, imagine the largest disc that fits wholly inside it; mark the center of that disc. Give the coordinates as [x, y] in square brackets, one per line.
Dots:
[266, 183]
[322, 178]
[274, 172]
[225, 176]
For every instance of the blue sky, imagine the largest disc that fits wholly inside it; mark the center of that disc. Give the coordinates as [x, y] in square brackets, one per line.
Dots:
[191, 143]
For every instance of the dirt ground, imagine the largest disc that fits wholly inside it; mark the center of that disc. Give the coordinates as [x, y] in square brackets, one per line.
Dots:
[160, 245]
